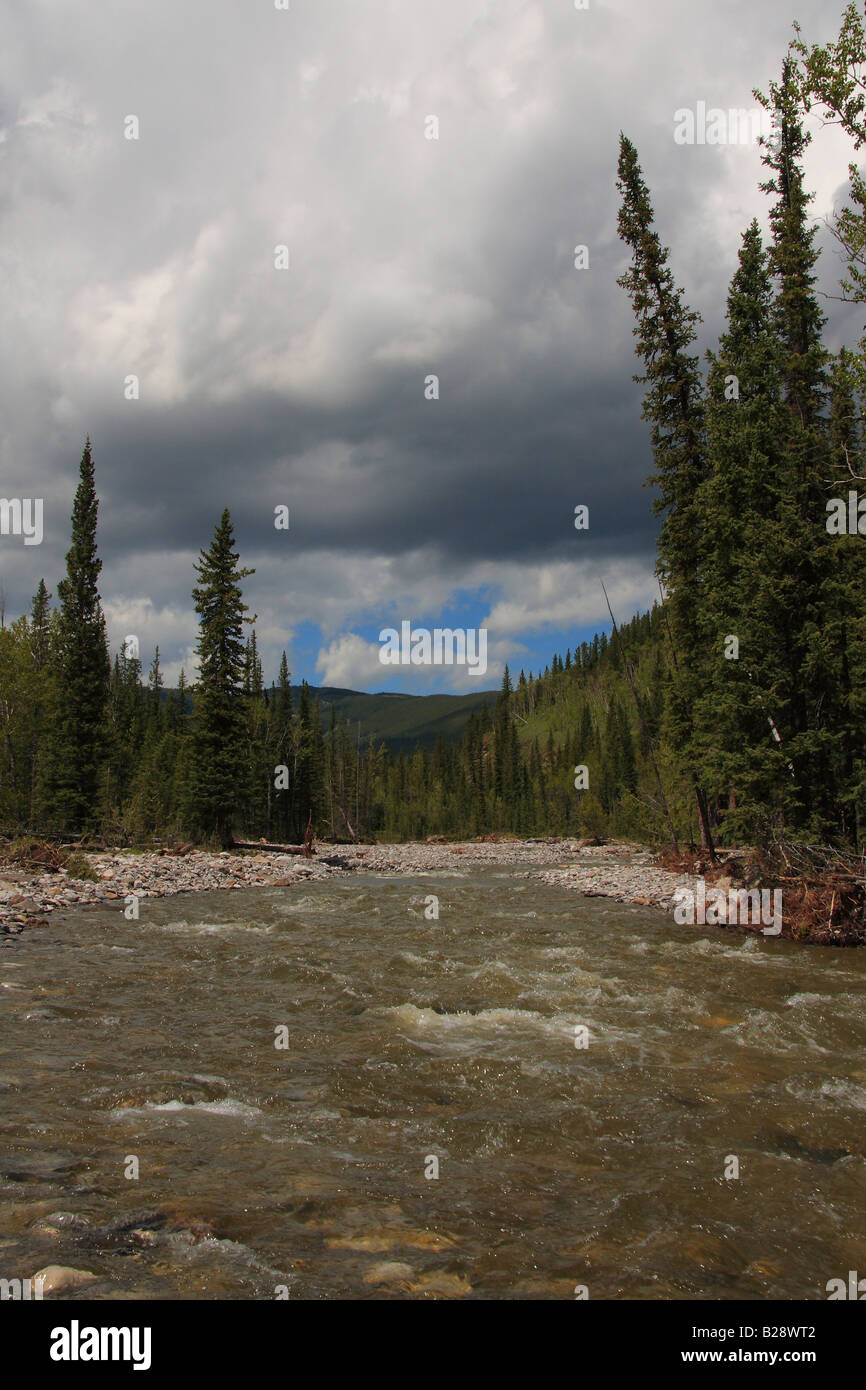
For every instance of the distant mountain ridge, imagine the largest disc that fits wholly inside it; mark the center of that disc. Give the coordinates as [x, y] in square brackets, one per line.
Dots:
[400, 721]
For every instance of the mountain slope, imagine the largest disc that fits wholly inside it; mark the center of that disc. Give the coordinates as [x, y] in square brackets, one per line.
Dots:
[401, 721]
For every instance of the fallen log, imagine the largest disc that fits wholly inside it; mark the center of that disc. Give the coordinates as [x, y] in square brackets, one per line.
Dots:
[265, 848]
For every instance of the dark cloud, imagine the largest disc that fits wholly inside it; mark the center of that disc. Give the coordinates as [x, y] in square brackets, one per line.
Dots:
[408, 257]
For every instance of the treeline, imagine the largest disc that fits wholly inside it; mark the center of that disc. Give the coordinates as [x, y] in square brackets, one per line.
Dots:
[93, 746]
[98, 747]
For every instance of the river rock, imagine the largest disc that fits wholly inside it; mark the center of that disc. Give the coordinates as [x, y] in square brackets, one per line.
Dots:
[442, 1286]
[56, 1222]
[59, 1278]
[372, 1244]
[389, 1272]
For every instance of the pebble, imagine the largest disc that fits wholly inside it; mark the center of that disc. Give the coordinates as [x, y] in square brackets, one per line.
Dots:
[643, 884]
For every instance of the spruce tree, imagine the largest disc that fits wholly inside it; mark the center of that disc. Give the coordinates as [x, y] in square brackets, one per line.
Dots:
[76, 753]
[305, 764]
[744, 501]
[673, 405]
[281, 742]
[218, 750]
[42, 624]
[503, 747]
[803, 568]
[177, 704]
[255, 797]
[40, 627]
[128, 717]
[155, 685]
[848, 617]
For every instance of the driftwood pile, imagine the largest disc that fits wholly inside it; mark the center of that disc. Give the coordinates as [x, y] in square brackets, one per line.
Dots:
[34, 855]
[824, 892]
[307, 849]
[823, 889]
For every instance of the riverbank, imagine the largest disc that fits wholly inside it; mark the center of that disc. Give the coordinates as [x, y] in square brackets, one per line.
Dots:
[30, 896]
[627, 873]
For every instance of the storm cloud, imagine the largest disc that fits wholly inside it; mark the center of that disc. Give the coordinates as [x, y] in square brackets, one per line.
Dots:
[156, 257]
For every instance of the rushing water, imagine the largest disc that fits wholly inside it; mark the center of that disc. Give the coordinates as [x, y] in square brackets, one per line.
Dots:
[305, 1166]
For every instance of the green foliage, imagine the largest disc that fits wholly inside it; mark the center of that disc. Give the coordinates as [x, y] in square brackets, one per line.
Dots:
[220, 703]
[77, 677]
[832, 79]
[674, 407]
[591, 818]
[78, 866]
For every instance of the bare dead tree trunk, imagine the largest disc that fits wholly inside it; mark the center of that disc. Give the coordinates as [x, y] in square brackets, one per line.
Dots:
[309, 848]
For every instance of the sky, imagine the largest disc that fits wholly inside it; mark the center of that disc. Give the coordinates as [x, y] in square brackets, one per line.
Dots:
[243, 208]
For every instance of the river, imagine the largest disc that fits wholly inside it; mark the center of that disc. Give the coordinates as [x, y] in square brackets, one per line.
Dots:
[309, 1170]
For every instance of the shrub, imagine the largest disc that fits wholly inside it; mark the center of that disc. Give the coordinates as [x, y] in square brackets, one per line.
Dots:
[77, 865]
[591, 817]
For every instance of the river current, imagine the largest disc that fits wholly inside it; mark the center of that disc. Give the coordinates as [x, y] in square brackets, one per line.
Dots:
[537, 1095]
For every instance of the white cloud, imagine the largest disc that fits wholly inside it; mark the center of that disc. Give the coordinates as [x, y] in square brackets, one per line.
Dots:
[568, 594]
[173, 630]
[554, 597]
[351, 662]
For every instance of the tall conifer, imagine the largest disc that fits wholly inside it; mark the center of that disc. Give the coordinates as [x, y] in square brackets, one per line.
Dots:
[218, 753]
[71, 785]
[673, 405]
[741, 501]
[810, 657]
